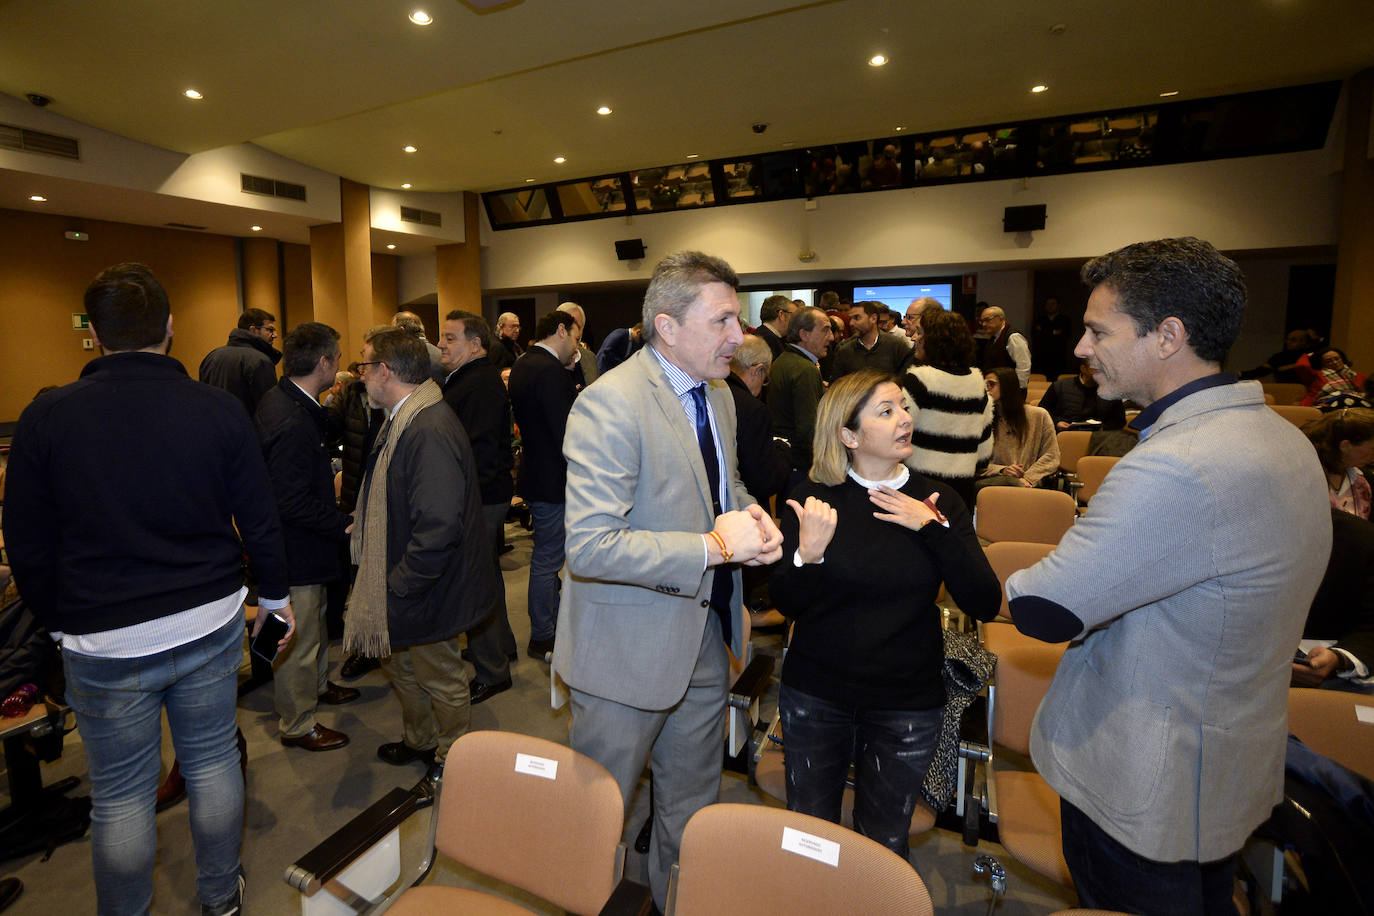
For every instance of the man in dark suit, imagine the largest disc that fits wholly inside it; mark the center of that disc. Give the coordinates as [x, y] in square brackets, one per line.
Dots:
[764, 461]
[542, 392]
[1343, 611]
[473, 388]
[774, 314]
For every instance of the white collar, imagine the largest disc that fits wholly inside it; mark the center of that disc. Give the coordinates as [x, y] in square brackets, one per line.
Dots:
[895, 483]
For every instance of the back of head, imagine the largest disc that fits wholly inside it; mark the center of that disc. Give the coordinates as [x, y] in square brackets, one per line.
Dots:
[305, 345]
[677, 283]
[404, 354]
[772, 306]
[575, 310]
[804, 320]
[1183, 278]
[948, 344]
[1351, 424]
[752, 351]
[409, 321]
[255, 318]
[475, 327]
[548, 325]
[128, 308]
[829, 300]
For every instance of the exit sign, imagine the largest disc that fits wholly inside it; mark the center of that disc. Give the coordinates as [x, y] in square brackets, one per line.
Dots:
[80, 321]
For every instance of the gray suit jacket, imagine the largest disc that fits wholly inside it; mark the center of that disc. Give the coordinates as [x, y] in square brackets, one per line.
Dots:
[1166, 720]
[635, 591]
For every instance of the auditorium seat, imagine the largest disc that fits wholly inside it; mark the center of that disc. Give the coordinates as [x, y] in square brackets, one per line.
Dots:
[1023, 514]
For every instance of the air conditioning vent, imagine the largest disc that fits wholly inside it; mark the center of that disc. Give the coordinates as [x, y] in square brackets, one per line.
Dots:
[424, 217]
[271, 187]
[185, 226]
[34, 141]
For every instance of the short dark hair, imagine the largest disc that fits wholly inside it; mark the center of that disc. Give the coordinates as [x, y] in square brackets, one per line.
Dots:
[548, 325]
[303, 348]
[404, 354]
[804, 319]
[1183, 278]
[829, 300]
[870, 307]
[946, 340]
[475, 327]
[127, 307]
[772, 306]
[677, 283]
[255, 318]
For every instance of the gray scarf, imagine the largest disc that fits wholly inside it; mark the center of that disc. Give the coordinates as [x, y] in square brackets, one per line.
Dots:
[365, 627]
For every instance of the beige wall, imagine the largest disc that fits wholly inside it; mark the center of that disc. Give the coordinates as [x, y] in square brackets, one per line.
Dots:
[44, 276]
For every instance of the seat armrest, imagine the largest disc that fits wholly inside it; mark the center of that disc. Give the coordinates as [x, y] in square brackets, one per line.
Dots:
[333, 855]
[752, 682]
[629, 899]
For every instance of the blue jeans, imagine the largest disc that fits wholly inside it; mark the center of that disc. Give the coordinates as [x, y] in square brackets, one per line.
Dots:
[889, 748]
[1111, 877]
[546, 559]
[118, 704]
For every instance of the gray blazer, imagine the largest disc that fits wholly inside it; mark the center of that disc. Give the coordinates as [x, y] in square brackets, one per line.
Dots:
[1166, 720]
[635, 590]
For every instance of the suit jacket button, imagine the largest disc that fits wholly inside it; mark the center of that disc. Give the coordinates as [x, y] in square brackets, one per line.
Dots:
[705, 604]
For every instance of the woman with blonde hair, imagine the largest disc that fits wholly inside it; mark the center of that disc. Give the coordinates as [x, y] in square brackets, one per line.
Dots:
[866, 545]
[1344, 440]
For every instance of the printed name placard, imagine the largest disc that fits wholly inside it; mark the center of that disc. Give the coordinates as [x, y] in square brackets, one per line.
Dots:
[813, 847]
[536, 766]
[1365, 714]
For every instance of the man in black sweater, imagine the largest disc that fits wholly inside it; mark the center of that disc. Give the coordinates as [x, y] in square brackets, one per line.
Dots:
[473, 388]
[133, 495]
[291, 425]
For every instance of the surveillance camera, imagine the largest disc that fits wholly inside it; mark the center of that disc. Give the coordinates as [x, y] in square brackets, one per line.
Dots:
[41, 101]
[758, 127]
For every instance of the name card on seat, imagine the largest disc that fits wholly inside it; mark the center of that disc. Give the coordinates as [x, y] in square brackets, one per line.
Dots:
[536, 766]
[811, 846]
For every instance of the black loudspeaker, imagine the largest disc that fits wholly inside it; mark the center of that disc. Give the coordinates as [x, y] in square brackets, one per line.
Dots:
[631, 249]
[1023, 219]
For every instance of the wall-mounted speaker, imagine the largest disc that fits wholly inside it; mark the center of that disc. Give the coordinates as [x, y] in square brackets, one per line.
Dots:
[1023, 219]
[629, 249]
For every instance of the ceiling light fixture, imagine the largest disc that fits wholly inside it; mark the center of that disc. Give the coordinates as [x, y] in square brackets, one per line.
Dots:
[390, 247]
[411, 149]
[877, 60]
[405, 186]
[559, 160]
[899, 129]
[694, 155]
[1040, 88]
[256, 228]
[193, 94]
[1169, 94]
[604, 110]
[529, 181]
[37, 198]
[420, 17]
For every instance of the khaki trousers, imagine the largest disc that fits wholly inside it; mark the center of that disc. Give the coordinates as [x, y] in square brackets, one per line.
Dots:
[431, 682]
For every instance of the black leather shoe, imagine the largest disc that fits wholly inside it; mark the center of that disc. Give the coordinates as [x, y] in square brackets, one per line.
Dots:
[398, 753]
[10, 889]
[481, 692]
[356, 666]
[318, 738]
[336, 695]
[538, 648]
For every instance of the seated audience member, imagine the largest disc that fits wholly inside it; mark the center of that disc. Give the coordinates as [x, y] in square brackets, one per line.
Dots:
[1344, 440]
[866, 545]
[1283, 365]
[1024, 447]
[1341, 619]
[1333, 382]
[951, 413]
[1074, 401]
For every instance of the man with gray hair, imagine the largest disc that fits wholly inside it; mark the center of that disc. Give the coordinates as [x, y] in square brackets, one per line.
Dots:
[506, 348]
[774, 314]
[1164, 728]
[1005, 347]
[409, 321]
[583, 368]
[911, 324]
[656, 516]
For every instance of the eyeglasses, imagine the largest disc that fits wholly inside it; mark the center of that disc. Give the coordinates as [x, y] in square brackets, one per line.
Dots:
[362, 366]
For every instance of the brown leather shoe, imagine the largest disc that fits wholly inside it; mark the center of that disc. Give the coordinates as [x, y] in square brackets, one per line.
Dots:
[337, 695]
[318, 738]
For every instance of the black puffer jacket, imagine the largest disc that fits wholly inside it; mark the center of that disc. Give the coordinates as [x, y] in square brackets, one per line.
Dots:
[245, 367]
[360, 423]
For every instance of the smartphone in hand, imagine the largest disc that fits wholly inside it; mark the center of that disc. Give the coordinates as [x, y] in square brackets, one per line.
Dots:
[264, 645]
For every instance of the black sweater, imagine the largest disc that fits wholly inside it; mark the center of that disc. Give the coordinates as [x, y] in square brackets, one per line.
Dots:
[124, 491]
[867, 629]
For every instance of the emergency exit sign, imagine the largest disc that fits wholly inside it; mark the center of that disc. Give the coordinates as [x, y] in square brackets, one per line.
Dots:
[80, 321]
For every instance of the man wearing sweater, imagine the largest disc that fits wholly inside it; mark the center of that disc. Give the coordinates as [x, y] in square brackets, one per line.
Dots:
[133, 495]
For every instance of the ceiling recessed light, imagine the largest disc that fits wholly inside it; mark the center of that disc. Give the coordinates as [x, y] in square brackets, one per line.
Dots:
[789, 143]
[410, 149]
[420, 17]
[1169, 94]
[193, 94]
[899, 129]
[694, 155]
[37, 198]
[559, 160]
[405, 186]
[603, 110]
[391, 248]
[877, 60]
[529, 181]
[1040, 88]
[256, 228]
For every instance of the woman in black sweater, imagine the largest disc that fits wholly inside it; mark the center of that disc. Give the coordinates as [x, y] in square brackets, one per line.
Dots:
[865, 549]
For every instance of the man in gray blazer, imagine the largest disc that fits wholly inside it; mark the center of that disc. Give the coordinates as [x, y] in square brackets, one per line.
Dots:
[656, 516]
[1164, 729]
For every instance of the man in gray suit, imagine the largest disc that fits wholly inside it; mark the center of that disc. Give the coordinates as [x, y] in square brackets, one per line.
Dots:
[1164, 729]
[655, 513]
